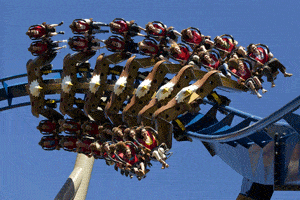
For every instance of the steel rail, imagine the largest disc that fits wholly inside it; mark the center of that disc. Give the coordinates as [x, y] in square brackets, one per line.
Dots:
[274, 117]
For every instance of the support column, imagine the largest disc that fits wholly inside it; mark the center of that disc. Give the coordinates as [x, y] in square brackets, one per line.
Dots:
[77, 184]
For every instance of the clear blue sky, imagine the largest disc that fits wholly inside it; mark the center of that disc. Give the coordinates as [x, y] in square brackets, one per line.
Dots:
[28, 172]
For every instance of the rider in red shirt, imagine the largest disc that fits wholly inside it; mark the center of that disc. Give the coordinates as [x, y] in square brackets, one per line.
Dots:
[125, 28]
[43, 31]
[45, 46]
[87, 26]
[48, 126]
[265, 63]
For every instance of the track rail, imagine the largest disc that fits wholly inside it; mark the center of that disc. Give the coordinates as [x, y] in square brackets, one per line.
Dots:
[262, 123]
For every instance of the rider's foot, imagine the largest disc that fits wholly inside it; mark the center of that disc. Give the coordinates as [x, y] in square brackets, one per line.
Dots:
[273, 84]
[287, 74]
[258, 95]
[264, 91]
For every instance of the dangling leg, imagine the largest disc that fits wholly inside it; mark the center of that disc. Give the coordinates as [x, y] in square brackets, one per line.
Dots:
[55, 25]
[258, 84]
[100, 24]
[268, 73]
[252, 87]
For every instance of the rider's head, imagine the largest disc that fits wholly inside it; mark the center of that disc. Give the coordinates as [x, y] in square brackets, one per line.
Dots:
[251, 48]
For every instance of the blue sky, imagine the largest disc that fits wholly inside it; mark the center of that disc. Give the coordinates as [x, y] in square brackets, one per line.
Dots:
[28, 172]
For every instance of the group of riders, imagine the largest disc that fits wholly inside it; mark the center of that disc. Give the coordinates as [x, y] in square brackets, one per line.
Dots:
[128, 149]
[160, 42]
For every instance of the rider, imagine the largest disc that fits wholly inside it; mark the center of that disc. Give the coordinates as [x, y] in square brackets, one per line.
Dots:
[225, 45]
[68, 143]
[180, 53]
[87, 26]
[244, 75]
[161, 32]
[45, 46]
[48, 126]
[125, 28]
[147, 139]
[50, 142]
[151, 48]
[193, 37]
[209, 60]
[84, 44]
[117, 44]
[70, 126]
[265, 62]
[43, 31]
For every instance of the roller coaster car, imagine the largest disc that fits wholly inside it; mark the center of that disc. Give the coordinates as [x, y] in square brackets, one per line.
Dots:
[195, 40]
[115, 44]
[50, 143]
[69, 143]
[161, 30]
[183, 56]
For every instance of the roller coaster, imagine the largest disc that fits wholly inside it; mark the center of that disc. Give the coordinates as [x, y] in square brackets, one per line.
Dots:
[147, 96]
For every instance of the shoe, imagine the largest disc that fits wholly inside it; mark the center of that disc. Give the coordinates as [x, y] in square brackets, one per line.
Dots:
[64, 47]
[61, 32]
[61, 23]
[228, 75]
[65, 41]
[126, 173]
[287, 74]
[258, 95]
[273, 84]
[264, 90]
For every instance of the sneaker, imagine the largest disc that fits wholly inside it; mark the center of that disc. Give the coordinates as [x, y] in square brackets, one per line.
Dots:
[61, 23]
[63, 47]
[287, 74]
[264, 90]
[273, 84]
[61, 32]
[258, 95]
[65, 41]
[228, 75]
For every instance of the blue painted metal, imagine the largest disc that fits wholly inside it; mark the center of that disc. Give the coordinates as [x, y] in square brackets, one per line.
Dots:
[203, 122]
[293, 120]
